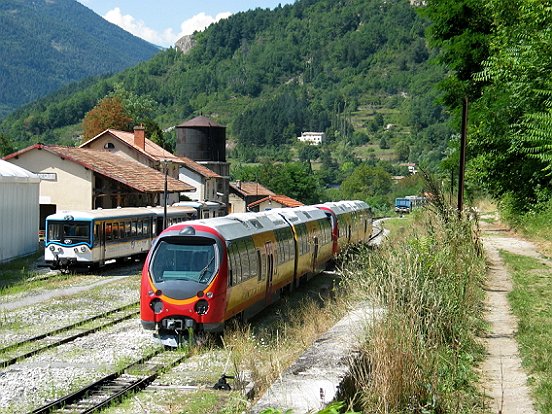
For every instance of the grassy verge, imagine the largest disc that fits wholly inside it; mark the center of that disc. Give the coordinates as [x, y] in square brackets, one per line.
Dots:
[531, 301]
[537, 225]
[422, 356]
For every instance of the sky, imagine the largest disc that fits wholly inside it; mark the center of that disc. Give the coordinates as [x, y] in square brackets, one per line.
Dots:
[163, 22]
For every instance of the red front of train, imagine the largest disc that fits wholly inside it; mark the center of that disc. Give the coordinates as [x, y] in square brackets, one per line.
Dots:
[184, 282]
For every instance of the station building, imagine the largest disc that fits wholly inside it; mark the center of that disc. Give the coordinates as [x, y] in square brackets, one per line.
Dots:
[83, 179]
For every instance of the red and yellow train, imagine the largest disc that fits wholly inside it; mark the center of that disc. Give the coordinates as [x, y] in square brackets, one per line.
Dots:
[199, 274]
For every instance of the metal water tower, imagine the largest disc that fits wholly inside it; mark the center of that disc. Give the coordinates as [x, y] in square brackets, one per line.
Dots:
[201, 140]
[204, 141]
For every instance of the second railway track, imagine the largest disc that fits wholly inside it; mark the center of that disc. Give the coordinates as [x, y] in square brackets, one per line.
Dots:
[11, 354]
[115, 386]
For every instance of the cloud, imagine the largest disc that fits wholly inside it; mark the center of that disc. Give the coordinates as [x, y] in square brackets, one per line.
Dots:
[131, 25]
[199, 22]
[167, 37]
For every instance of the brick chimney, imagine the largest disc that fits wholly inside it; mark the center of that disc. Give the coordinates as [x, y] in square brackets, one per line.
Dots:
[140, 137]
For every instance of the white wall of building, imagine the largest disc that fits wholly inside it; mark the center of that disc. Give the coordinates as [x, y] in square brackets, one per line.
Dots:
[66, 184]
[19, 213]
[196, 181]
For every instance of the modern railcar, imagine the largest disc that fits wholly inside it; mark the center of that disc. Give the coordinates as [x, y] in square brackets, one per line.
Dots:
[201, 273]
[93, 237]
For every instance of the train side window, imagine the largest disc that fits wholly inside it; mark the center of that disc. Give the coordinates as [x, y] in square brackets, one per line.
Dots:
[237, 274]
[290, 251]
[147, 227]
[139, 228]
[251, 252]
[244, 258]
[108, 231]
[133, 228]
[96, 234]
[259, 266]
[127, 229]
[115, 230]
[231, 281]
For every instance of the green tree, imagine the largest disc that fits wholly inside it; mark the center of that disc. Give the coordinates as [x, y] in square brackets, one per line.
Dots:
[308, 153]
[296, 180]
[366, 182]
[403, 151]
[6, 145]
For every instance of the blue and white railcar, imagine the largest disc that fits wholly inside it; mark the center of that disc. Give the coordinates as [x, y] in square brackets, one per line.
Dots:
[91, 238]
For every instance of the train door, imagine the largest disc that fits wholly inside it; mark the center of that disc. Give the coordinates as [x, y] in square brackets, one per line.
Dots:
[269, 267]
[100, 231]
[315, 253]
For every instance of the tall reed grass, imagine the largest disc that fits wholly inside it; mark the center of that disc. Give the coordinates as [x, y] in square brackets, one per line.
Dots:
[420, 357]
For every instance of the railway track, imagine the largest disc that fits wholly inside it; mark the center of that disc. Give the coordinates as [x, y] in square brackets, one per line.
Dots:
[11, 354]
[114, 387]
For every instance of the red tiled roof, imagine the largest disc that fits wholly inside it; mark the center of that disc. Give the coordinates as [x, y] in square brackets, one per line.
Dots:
[280, 199]
[155, 152]
[197, 167]
[200, 122]
[124, 170]
[249, 188]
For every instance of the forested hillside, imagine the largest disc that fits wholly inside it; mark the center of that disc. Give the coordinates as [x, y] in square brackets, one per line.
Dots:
[358, 70]
[315, 65]
[48, 43]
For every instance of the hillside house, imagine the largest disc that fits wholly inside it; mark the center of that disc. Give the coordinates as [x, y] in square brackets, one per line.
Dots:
[273, 201]
[312, 138]
[243, 193]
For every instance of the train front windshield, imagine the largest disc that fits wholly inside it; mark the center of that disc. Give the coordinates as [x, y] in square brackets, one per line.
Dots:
[187, 262]
[68, 232]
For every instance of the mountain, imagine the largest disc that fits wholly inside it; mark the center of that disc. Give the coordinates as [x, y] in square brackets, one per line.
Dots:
[45, 44]
[356, 69]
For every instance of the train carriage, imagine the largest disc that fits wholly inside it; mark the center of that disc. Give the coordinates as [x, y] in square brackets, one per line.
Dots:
[201, 273]
[360, 221]
[313, 233]
[90, 238]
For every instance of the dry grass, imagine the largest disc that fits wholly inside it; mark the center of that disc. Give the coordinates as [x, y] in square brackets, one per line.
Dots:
[268, 349]
[420, 358]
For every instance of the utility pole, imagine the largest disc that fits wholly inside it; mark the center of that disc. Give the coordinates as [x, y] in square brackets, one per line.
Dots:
[165, 195]
[462, 169]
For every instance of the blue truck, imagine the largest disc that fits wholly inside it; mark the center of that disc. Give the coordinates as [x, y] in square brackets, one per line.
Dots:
[408, 203]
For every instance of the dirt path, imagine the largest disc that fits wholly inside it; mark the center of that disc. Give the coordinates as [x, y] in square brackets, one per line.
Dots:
[505, 382]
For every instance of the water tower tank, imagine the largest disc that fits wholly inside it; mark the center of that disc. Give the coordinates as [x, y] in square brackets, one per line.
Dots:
[201, 140]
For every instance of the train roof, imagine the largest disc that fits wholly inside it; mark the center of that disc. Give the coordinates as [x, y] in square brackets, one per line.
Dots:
[65, 215]
[302, 214]
[173, 210]
[238, 225]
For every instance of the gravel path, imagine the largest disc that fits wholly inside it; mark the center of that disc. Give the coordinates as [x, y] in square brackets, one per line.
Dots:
[505, 380]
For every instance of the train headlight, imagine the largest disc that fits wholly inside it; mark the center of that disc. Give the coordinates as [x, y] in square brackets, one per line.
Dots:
[83, 249]
[156, 306]
[60, 250]
[52, 248]
[201, 307]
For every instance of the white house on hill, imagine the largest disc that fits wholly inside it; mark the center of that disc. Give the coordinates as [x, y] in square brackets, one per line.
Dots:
[313, 138]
